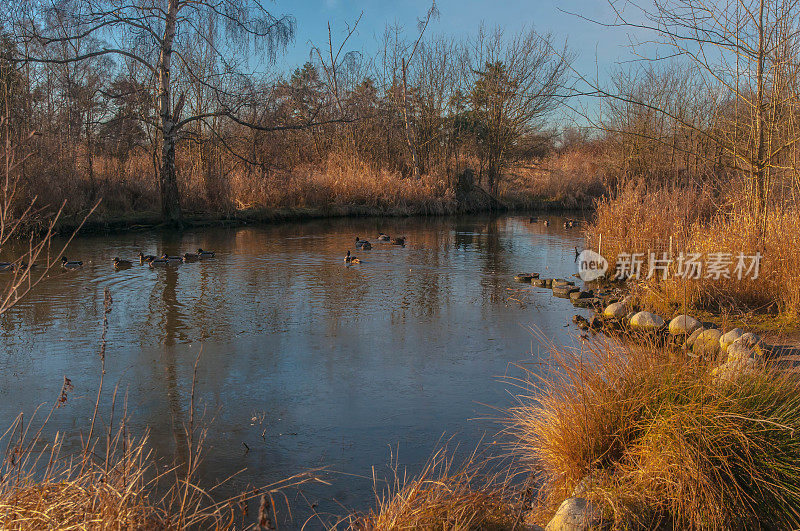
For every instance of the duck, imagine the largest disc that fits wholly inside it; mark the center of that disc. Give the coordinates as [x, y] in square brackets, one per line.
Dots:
[383, 237]
[172, 259]
[158, 262]
[70, 264]
[121, 264]
[400, 240]
[350, 259]
[205, 254]
[360, 242]
[191, 257]
[365, 245]
[6, 266]
[23, 265]
[145, 257]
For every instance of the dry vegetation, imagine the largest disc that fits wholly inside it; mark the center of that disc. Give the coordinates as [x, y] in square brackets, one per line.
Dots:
[662, 443]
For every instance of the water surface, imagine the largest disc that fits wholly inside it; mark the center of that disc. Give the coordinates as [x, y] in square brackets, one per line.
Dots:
[304, 361]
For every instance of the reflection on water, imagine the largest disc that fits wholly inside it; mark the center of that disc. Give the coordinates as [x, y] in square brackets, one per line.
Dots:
[333, 364]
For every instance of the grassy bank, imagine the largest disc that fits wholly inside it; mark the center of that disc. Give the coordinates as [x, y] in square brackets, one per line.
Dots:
[703, 220]
[339, 187]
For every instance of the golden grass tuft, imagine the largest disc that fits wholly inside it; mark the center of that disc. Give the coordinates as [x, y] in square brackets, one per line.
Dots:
[441, 497]
[661, 442]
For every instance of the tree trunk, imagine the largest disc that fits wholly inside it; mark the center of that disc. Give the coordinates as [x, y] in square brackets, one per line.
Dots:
[409, 139]
[170, 199]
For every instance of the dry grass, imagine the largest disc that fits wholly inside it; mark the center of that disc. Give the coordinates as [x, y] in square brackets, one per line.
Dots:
[441, 497]
[662, 443]
[697, 220]
[568, 180]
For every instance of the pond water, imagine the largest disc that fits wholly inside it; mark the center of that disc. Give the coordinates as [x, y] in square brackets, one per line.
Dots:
[305, 361]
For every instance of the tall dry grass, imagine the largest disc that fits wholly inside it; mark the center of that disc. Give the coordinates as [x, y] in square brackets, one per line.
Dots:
[701, 220]
[661, 443]
[443, 496]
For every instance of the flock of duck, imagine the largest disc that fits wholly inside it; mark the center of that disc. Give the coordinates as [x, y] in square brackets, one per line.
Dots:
[568, 223]
[365, 245]
[149, 259]
[165, 260]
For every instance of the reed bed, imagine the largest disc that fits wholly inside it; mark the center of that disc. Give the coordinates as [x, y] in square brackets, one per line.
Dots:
[662, 444]
[700, 220]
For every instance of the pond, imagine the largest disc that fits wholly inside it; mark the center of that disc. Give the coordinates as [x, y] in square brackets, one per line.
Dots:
[303, 362]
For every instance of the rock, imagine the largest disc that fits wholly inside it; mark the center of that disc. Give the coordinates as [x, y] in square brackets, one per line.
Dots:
[582, 322]
[589, 302]
[691, 339]
[615, 310]
[548, 283]
[739, 351]
[574, 514]
[562, 282]
[646, 322]
[751, 340]
[539, 282]
[578, 294]
[535, 275]
[729, 337]
[684, 325]
[596, 322]
[706, 344]
[734, 368]
[523, 277]
[563, 291]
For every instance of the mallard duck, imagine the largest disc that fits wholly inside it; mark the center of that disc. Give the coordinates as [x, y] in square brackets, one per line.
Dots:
[191, 257]
[360, 242]
[121, 264]
[205, 254]
[23, 265]
[172, 259]
[70, 264]
[383, 237]
[158, 262]
[145, 257]
[6, 266]
[400, 240]
[349, 259]
[365, 245]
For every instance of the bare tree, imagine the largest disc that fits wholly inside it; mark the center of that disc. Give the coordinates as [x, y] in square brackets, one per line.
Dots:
[516, 82]
[158, 35]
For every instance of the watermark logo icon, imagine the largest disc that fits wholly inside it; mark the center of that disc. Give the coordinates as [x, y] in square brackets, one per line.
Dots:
[591, 265]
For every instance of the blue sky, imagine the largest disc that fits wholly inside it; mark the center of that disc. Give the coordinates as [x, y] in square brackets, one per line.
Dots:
[597, 48]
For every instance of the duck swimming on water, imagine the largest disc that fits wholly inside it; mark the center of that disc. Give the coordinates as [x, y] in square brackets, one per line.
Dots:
[145, 257]
[350, 259]
[121, 264]
[400, 240]
[205, 254]
[383, 237]
[74, 264]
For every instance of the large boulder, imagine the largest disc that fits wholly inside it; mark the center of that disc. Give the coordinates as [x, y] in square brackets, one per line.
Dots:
[616, 310]
[523, 277]
[684, 325]
[706, 344]
[646, 322]
[693, 337]
[574, 514]
[729, 337]
[562, 282]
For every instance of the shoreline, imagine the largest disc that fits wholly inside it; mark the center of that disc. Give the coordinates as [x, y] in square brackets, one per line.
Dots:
[149, 220]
